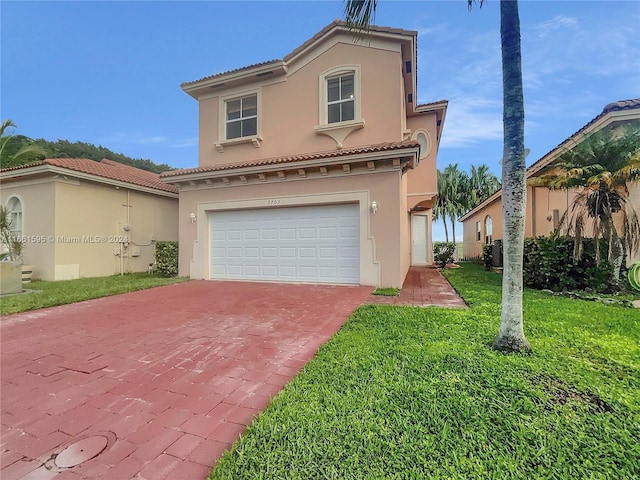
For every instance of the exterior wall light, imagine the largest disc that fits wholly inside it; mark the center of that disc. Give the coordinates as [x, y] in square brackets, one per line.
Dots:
[192, 216]
[374, 207]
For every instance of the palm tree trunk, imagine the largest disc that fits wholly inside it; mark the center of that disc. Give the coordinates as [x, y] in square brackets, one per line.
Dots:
[453, 228]
[511, 335]
[446, 232]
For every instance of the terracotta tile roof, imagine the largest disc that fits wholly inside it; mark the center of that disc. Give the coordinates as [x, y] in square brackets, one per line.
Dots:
[381, 147]
[332, 25]
[621, 105]
[431, 104]
[105, 169]
[248, 67]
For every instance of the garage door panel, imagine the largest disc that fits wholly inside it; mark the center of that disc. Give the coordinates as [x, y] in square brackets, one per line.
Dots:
[306, 252]
[269, 233]
[328, 252]
[311, 244]
[287, 252]
[269, 252]
[288, 272]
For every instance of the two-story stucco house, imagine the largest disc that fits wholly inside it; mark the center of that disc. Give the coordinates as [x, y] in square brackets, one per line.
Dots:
[320, 167]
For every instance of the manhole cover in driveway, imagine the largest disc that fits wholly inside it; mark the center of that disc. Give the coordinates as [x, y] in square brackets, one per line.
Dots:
[81, 451]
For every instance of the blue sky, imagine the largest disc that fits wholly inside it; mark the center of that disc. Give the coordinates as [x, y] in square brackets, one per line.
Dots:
[109, 73]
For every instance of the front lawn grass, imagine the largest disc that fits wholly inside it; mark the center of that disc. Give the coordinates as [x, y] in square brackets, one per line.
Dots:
[413, 393]
[50, 294]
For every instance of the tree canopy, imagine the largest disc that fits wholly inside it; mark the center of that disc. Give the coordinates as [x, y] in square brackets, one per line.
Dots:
[459, 192]
[21, 150]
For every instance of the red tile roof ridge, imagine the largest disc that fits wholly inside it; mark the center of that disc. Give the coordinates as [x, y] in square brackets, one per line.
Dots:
[105, 168]
[380, 147]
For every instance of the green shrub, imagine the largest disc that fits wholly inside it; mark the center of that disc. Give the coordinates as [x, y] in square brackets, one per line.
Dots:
[487, 256]
[443, 253]
[549, 264]
[167, 258]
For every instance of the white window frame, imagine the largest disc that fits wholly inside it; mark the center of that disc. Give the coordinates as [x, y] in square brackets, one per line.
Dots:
[222, 121]
[323, 100]
[16, 215]
[478, 231]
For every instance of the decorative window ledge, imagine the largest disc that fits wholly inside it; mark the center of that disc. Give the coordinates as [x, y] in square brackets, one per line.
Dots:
[340, 131]
[255, 140]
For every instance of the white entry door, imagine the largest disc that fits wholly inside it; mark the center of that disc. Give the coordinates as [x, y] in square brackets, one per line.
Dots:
[418, 239]
[315, 244]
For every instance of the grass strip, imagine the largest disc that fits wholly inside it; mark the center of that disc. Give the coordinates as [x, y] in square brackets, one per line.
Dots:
[50, 294]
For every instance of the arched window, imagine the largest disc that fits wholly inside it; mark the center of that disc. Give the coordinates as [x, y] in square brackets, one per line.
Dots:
[14, 210]
[488, 230]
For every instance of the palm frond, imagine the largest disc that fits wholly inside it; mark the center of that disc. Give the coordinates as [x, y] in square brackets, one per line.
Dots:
[360, 14]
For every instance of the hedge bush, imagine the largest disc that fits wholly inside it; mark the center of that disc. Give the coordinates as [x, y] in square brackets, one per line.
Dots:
[443, 253]
[549, 264]
[167, 258]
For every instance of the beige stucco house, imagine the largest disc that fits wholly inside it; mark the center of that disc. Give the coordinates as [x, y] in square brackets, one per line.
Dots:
[545, 207]
[319, 167]
[82, 218]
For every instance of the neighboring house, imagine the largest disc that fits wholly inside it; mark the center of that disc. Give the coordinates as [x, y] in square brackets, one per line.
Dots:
[82, 218]
[320, 167]
[545, 207]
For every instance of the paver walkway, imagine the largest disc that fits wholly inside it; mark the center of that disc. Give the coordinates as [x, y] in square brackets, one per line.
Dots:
[167, 378]
[423, 286]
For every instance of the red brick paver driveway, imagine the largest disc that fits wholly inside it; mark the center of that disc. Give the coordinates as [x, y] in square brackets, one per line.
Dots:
[168, 378]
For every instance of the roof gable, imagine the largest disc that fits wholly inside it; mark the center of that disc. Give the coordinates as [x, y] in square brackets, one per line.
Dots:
[277, 67]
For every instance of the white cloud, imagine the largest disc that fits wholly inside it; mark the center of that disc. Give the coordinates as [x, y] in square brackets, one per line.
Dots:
[471, 120]
[559, 22]
[151, 140]
[122, 138]
[185, 142]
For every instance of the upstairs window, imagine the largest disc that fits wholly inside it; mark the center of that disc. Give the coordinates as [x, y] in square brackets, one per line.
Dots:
[241, 117]
[341, 98]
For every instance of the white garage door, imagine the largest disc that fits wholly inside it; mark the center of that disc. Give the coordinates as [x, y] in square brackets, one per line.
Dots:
[318, 244]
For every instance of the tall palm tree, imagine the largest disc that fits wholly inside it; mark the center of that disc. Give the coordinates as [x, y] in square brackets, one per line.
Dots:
[482, 184]
[601, 167]
[7, 160]
[359, 14]
[514, 189]
[440, 204]
[457, 188]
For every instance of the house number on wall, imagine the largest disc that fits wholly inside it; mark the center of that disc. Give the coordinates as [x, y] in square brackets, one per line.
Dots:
[273, 202]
